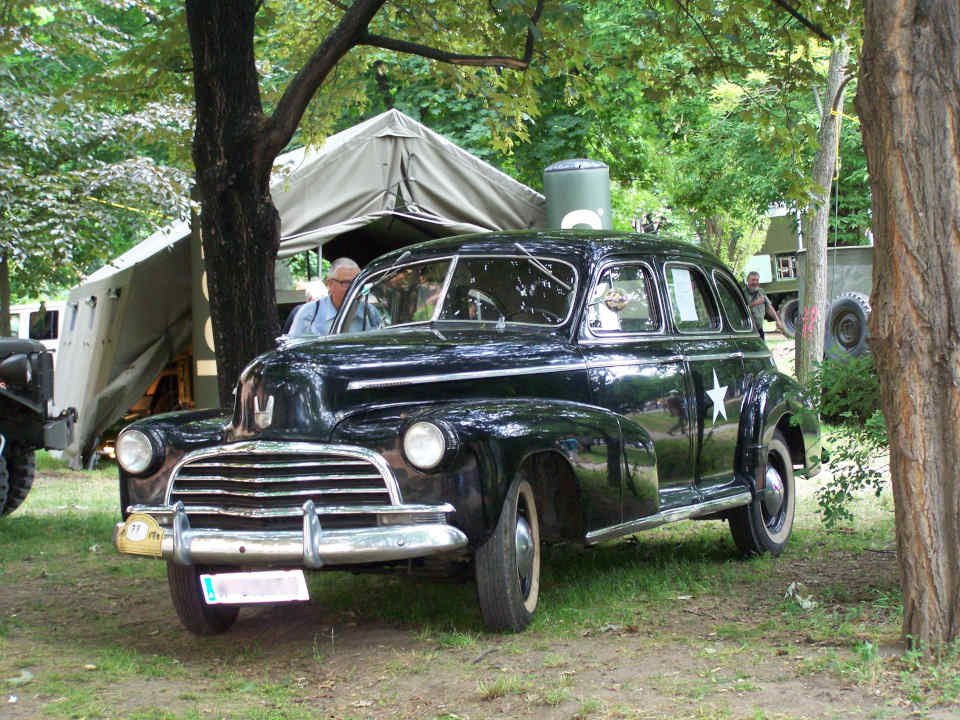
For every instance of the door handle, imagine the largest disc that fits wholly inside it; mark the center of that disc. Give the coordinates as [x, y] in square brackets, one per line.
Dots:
[736, 355]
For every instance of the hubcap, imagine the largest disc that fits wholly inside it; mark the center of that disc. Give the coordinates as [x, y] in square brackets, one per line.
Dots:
[773, 497]
[525, 552]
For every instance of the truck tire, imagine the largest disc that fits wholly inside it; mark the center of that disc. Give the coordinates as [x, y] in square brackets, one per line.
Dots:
[507, 565]
[847, 331]
[789, 312]
[764, 526]
[193, 611]
[21, 468]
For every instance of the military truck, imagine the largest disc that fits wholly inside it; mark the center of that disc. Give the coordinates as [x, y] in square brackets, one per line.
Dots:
[781, 266]
[26, 388]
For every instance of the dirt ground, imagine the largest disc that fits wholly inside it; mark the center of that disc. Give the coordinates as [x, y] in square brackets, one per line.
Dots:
[101, 640]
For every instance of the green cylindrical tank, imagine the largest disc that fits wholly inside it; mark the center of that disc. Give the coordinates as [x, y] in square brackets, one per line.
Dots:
[578, 194]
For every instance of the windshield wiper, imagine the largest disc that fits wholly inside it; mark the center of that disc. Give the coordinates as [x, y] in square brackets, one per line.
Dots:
[387, 273]
[543, 268]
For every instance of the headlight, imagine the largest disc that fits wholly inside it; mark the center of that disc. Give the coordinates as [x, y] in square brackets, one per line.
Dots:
[135, 451]
[424, 444]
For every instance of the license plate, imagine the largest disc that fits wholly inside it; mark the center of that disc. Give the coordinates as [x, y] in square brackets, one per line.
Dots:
[243, 588]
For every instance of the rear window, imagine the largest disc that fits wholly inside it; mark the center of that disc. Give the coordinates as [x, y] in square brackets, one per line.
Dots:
[732, 301]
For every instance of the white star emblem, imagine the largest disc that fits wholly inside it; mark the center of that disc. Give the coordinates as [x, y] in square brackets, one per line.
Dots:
[718, 395]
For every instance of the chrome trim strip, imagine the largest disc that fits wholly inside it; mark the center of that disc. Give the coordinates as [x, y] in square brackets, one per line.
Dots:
[758, 354]
[633, 363]
[445, 288]
[270, 479]
[713, 356]
[265, 447]
[279, 464]
[468, 375]
[668, 516]
[165, 513]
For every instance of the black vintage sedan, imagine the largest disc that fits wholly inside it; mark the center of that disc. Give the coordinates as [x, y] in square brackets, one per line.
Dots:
[508, 390]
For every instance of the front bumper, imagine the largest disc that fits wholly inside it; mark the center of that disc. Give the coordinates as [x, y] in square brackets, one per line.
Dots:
[165, 532]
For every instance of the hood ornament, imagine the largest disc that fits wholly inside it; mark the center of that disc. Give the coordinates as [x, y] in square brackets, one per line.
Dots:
[262, 418]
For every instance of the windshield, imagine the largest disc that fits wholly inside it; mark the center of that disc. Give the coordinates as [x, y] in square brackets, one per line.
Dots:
[528, 290]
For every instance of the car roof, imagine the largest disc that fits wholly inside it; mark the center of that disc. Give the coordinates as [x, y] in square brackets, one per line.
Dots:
[582, 246]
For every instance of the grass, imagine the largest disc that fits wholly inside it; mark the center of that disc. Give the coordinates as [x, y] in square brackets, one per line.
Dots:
[70, 602]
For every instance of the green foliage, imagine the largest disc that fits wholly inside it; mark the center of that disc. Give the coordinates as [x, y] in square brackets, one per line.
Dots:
[847, 391]
[81, 173]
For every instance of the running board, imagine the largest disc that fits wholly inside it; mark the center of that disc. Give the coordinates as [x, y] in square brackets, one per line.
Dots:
[710, 507]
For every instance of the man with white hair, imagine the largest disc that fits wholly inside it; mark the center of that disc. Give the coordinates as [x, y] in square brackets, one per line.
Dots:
[316, 317]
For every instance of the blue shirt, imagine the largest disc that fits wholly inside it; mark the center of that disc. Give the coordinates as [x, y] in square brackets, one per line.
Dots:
[316, 317]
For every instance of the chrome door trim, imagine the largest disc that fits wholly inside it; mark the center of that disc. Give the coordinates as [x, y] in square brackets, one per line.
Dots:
[466, 375]
[668, 516]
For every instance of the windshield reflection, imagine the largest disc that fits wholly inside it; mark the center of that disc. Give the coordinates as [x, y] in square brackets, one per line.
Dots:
[499, 290]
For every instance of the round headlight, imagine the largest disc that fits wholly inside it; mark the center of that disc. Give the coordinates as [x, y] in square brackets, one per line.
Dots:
[135, 451]
[424, 445]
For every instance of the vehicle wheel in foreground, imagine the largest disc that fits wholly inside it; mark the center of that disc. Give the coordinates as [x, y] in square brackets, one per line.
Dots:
[764, 525]
[789, 314]
[508, 563]
[21, 467]
[847, 331]
[196, 616]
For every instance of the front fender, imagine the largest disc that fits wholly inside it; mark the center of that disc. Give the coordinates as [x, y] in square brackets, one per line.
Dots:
[496, 438]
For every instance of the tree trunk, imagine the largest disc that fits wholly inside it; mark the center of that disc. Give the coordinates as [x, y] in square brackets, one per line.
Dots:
[909, 105]
[234, 146]
[809, 342]
[4, 294]
[240, 225]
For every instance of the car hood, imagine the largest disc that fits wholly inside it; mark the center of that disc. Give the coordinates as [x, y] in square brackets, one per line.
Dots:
[302, 390]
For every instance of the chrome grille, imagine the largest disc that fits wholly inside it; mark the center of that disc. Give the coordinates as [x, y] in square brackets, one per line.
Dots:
[264, 485]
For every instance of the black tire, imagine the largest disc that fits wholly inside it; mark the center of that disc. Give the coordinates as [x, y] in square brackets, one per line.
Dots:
[21, 468]
[847, 331]
[507, 570]
[789, 312]
[764, 526]
[196, 616]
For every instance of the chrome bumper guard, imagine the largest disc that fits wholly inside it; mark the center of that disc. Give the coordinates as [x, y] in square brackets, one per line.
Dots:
[312, 547]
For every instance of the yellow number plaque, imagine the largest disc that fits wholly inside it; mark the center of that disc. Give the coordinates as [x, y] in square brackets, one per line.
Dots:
[141, 535]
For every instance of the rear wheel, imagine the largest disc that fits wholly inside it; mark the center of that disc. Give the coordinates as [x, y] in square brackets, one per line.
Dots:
[21, 468]
[764, 526]
[847, 330]
[789, 314]
[187, 595]
[508, 563]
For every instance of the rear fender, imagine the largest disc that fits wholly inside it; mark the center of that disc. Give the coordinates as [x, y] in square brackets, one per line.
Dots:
[774, 401]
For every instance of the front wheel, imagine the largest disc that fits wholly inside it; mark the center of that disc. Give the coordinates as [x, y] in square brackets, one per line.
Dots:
[21, 466]
[193, 611]
[765, 524]
[508, 563]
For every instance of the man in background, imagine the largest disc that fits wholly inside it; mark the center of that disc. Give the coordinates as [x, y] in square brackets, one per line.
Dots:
[316, 317]
[758, 302]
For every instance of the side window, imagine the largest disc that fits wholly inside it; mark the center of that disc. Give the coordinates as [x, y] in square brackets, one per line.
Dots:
[733, 306]
[14, 326]
[623, 301]
[691, 300]
[43, 324]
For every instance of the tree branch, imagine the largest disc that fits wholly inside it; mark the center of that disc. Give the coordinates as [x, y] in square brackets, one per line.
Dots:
[411, 48]
[283, 123]
[813, 27]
